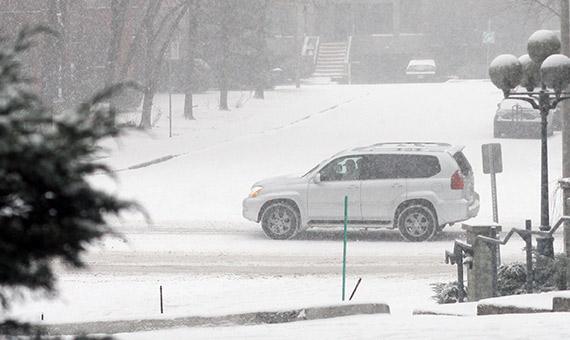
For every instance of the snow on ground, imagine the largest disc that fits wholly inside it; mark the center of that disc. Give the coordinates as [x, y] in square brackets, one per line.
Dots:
[195, 197]
[498, 327]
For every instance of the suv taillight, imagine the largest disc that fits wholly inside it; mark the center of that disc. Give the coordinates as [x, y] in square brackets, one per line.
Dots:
[457, 181]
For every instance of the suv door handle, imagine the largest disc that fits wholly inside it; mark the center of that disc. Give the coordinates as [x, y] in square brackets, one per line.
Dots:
[353, 186]
[397, 185]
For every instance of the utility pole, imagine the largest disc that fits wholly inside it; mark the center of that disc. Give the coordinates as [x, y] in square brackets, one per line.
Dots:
[298, 41]
[565, 49]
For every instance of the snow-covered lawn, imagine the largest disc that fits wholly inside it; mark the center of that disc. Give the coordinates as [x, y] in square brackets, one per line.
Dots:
[194, 199]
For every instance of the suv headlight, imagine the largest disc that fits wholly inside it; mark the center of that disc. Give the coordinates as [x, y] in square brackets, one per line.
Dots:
[254, 191]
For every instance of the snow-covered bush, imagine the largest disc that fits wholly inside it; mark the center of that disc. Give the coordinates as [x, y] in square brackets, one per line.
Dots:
[445, 292]
[550, 275]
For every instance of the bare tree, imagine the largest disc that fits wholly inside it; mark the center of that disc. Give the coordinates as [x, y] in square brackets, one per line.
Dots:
[158, 32]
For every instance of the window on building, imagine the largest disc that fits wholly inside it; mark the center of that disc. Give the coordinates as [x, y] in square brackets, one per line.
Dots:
[411, 16]
[375, 18]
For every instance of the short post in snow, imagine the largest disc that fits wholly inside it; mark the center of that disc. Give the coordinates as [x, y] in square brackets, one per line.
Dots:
[344, 249]
[355, 288]
[528, 240]
[161, 305]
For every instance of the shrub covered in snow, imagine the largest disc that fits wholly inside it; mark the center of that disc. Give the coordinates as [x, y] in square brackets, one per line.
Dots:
[549, 275]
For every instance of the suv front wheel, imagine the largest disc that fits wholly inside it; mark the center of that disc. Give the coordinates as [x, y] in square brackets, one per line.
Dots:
[417, 223]
[280, 221]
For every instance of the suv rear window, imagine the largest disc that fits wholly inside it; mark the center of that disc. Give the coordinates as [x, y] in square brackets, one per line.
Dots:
[399, 166]
[463, 163]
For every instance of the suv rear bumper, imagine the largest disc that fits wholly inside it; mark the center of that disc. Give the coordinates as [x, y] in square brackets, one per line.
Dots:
[457, 211]
[474, 206]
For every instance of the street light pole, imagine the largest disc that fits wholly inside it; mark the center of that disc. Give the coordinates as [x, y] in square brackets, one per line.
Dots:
[545, 66]
[544, 102]
[565, 46]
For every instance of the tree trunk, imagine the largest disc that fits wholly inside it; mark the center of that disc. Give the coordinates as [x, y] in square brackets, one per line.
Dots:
[224, 63]
[118, 12]
[190, 78]
[147, 109]
[262, 64]
[259, 93]
[224, 100]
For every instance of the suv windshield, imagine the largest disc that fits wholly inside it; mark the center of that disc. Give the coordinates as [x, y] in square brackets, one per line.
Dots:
[312, 170]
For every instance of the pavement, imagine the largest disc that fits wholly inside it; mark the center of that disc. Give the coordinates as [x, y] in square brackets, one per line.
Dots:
[551, 302]
[128, 326]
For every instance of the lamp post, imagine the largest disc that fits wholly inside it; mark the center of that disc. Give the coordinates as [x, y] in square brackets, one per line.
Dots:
[543, 68]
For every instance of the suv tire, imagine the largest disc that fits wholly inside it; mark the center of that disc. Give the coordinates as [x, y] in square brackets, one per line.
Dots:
[417, 223]
[280, 221]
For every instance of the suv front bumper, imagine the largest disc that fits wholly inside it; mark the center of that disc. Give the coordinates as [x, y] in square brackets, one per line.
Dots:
[251, 208]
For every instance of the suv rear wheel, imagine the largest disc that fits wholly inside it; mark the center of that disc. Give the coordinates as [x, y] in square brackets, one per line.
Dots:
[280, 221]
[417, 223]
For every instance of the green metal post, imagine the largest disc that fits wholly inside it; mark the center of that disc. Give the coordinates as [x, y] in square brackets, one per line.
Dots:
[344, 252]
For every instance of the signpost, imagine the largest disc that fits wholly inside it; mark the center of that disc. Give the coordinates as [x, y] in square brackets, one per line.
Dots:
[493, 164]
[488, 39]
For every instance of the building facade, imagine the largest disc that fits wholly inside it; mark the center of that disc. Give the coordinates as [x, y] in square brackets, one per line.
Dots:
[383, 35]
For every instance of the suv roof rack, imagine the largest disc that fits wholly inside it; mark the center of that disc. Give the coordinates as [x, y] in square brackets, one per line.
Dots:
[410, 146]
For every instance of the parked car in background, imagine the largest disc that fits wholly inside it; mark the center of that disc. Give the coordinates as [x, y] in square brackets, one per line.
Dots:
[421, 70]
[518, 119]
[416, 187]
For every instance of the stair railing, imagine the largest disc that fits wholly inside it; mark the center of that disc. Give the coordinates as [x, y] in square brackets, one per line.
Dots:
[347, 60]
[317, 50]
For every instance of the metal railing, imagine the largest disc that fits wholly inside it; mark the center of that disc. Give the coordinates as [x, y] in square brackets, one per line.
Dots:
[461, 249]
[347, 61]
[526, 235]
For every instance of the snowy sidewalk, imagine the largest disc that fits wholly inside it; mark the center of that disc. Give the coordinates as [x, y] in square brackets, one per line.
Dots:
[530, 303]
[130, 326]
[515, 304]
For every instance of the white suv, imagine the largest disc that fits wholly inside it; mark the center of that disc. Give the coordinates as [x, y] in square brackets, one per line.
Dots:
[416, 187]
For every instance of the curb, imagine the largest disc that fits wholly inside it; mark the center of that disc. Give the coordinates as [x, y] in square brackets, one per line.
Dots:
[255, 318]
[488, 309]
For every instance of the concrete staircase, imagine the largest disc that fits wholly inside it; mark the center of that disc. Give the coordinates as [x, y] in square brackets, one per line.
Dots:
[331, 61]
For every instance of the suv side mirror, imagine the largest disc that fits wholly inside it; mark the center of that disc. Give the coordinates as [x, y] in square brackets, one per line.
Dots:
[317, 178]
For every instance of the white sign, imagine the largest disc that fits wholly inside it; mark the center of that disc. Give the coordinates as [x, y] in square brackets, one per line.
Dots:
[488, 37]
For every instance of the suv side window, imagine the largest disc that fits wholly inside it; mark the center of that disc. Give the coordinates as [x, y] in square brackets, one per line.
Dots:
[400, 166]
[420, 166]
[463, 163]
[381, 167]
[342, 169]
